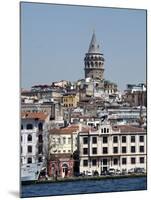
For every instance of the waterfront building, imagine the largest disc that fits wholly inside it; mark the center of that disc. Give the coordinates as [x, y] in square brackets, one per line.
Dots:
[62, 146]
[120, 148]
[62, 143]
[33, 134]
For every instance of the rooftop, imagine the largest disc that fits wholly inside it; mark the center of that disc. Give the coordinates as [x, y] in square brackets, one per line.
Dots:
[128, 128]
[34, 115]
[70, 129]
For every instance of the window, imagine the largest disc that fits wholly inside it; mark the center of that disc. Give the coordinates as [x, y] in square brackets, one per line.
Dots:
[104, 161]
[124, 161]
[29, 149]
[133, 160]
[40, 159]
[40, 149]
[59, 140]
[107, 130]
[105, 139]
[40, 138]
[21, 138]
[85, 140]
[40, 126]
[94, 140]
[85, 163]
[133, 149]
[85, 151]
[115, 139]
[133, 138]
[105, 150]
[141, 149]
[94, 162]
[94, 150]
[22, 127]
[115, 161]
[29, 160]
[29, 138]
[123, 149]
[21, 150]
[141, 159]
[69, 140]
[123, 139]
[104, 130]
[115, 149]
[101, 130]
[29, 126]
[64, 140]
[141, 138]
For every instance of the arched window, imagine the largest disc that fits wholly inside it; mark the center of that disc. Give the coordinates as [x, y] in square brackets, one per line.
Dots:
[29, 160]
[29, 126]
[29, 138]
[96, 64]
[40, 126]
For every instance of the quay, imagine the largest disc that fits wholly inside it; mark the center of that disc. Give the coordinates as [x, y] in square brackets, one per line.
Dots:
[72, 179]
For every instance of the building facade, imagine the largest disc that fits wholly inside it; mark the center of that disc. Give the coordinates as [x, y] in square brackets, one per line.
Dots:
[62, 143]
[33, 133]
[70, 100]
[120, 148]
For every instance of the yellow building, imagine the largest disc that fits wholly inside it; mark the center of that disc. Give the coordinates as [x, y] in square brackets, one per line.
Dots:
[70, 100]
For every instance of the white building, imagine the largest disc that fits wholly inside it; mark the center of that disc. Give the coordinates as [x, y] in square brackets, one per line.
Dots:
[33, 132]
[119, 147]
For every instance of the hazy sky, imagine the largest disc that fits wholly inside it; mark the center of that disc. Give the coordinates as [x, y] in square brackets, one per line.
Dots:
[55, 38]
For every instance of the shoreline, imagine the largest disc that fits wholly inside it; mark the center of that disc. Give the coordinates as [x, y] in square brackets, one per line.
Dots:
[73, 179]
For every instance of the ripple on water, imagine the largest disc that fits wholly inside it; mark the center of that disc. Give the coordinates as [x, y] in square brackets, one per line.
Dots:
[86, 186]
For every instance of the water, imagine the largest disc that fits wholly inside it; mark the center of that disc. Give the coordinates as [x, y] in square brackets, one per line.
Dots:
[84, 186]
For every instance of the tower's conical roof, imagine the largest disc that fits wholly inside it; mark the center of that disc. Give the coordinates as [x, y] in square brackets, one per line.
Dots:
[94, 47]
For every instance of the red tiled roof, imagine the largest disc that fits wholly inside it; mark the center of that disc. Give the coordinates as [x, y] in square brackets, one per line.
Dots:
[127, 128]
[34, 115]
[69, 130]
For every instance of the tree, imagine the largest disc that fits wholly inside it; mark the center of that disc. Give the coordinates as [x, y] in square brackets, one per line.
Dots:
[76, 162]
[51, 145]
